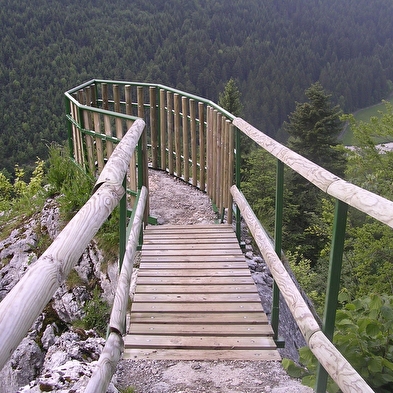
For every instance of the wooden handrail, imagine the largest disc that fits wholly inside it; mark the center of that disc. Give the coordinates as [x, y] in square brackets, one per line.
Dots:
[23, 304]
[334, 363]
[114, 345]
[363, 200]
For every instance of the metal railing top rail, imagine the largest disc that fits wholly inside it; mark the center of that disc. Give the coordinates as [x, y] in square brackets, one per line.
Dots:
[157, 85]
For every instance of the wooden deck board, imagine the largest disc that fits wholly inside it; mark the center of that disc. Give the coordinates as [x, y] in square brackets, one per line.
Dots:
[195, 299]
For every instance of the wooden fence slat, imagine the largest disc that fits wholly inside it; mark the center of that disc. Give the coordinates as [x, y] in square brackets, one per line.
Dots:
[118, 121]
[194, 152]
[153, 126]
[105, 99]
[202, 151]
[209, 150]
[169, 96]
[163, 122]
[176, 98]
[88, 138]
[231, 166]
[186, 154]
[99, 144]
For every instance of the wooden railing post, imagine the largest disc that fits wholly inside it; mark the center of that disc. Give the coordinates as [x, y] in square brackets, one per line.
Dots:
[327, 354]
[153, 126]
[202, 147]
[169, 98]
[21, 307]
[186, 146]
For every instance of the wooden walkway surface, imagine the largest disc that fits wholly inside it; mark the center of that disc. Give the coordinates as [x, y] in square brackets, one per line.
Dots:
[195, 299]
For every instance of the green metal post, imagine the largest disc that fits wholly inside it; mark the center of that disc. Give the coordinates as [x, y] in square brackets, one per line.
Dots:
[333, 284]
[69, 127]
[140, 164]
[278, 242]
[237, 179]
[123, 226]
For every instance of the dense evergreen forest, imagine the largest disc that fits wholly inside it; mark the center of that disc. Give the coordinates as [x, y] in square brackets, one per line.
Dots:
[274, 49]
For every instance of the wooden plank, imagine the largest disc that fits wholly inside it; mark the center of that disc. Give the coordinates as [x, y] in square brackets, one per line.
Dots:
[192, 354]
[204, 248]
[175, 239]
[199, 342]
[182, 230]
[201, 329]
[179, 281]
[196, 288]
[197, 307]
[180, 263]
[195, 227]
[203, 272]
[196, 298]
[252, 317]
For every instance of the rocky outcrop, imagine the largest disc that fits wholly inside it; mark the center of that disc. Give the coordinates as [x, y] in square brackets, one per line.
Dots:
[54, 356]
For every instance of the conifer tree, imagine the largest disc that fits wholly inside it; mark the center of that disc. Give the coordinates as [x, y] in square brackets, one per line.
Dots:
[313, 128]
[229, 99]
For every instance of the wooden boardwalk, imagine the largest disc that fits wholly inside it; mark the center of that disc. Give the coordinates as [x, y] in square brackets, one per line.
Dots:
[195, 299]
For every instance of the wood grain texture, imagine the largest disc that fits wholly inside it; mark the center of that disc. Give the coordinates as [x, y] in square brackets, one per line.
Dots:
[363, 200]
[106, 365]
[119, 308]
[114, 345]
[21, 307]
[330, 358]
[196, 298]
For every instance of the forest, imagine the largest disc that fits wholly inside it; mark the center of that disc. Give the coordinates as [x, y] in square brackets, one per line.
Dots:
[274, 49]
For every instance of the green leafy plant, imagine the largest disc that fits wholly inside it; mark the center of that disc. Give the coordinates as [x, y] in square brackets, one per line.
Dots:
[128, 389]
[97, 313]
[69, 180]
[364, 335]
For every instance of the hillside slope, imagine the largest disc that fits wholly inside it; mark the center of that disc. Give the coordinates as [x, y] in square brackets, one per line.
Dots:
[274, 49]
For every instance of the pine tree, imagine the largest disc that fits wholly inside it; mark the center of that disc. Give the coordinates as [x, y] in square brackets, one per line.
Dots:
[229, 99]
[313, 128]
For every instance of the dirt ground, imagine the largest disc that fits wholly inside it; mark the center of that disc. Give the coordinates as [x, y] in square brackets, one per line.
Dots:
[174, 202]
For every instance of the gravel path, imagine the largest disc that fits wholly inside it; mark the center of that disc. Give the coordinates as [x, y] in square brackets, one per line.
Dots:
[175, 202]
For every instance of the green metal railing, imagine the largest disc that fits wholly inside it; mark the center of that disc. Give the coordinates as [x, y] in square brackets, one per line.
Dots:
[170, 114]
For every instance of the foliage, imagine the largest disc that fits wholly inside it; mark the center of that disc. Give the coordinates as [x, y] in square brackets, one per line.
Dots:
[366, 166]
[258, 175]
[20, 197]
[229, 99]
[128, 389]
[97, 312]
[313, 128]
[281, 48]
[108, 236]
[308, 279]
[364, 335]
[69, 180]
[370, 255]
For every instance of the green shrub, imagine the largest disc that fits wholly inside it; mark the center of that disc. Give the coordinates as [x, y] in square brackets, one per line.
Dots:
[69, 180]
[97, 312]
[364, 335]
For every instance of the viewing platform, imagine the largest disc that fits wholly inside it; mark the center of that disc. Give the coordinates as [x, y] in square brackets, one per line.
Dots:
[195, 299]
